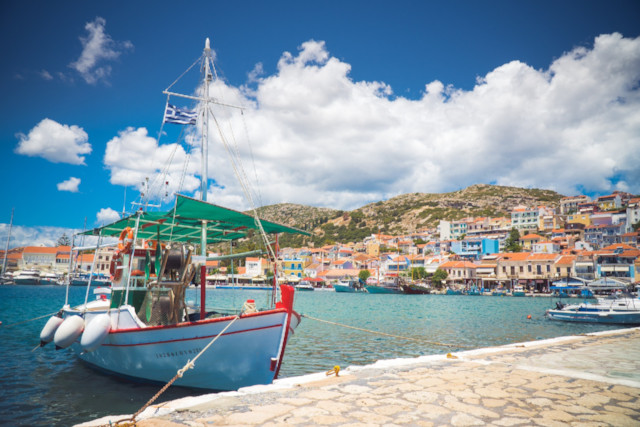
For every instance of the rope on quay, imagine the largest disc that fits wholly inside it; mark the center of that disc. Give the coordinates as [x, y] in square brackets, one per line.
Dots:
[29, 320]
[389, 335]
[189, 365]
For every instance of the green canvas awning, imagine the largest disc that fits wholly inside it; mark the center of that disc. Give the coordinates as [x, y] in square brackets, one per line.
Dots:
[184, 224]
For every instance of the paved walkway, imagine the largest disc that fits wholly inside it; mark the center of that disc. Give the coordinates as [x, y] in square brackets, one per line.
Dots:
[590, 380]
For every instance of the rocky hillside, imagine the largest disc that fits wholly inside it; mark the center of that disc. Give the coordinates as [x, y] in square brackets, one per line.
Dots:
[405, 213]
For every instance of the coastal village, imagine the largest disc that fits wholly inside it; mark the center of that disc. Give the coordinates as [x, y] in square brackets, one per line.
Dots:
[584, 240]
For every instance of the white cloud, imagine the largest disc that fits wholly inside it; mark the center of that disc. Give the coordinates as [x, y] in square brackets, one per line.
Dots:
[55, 142]
[44, 236]
[33, 236]
[46, 75]
[133, 156]
[106, 216]
[98, 48]
[320, 138]
[70, 185]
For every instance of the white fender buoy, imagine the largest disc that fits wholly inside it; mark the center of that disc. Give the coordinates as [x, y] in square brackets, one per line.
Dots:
[49, 330]
[68, 331]
[95, 332]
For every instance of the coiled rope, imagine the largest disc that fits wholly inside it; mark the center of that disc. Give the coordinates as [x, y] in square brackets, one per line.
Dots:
[388, 335]
[189, 365]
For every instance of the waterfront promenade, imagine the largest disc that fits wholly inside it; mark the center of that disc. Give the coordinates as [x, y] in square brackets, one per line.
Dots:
[587, 380]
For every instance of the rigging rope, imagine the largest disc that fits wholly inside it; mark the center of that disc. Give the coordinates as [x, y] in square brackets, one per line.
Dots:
[242, 179]
[388, 335]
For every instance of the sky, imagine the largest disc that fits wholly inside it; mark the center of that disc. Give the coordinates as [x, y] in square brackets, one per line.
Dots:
[344, 103]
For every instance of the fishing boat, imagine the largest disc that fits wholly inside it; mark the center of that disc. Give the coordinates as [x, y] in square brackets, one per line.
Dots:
[146, 331]
[616, 309]
[474, 291]
[348, 286]
[416, 288]
[518, 291]
[391, 286]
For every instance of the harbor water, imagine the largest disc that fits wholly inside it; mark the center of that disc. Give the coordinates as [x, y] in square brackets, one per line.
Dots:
[42, 386]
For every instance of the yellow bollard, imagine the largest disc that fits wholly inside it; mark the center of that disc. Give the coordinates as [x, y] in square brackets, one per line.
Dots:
[335, 370]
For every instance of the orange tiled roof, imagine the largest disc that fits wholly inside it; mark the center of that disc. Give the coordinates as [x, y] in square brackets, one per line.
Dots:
[514, 256]
[42, 250]
[615, 246]
[531, 237]
[566, 260]
[458, 264]
[542, 257]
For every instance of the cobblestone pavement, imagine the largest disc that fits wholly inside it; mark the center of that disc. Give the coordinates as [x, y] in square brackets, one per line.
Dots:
[591, 380]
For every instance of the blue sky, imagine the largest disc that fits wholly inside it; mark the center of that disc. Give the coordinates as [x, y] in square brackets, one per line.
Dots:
[350, 101]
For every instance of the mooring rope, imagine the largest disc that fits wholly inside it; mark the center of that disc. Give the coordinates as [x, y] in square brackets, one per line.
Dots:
[388, 335]
[189, 365]
[30, 320]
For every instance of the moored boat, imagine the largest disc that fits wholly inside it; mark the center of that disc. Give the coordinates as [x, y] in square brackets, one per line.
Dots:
[84, 279]
[304, 286]
[348, 286]
[49, 279]
[27, 277]
[417, 288]
[623, 310]
[146, 331]
[518, 291]
[385, 287]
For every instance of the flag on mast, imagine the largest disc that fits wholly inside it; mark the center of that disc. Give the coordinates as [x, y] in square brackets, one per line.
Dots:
[180, 116]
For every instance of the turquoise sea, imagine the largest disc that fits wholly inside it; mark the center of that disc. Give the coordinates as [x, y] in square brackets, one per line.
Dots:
[48, 387]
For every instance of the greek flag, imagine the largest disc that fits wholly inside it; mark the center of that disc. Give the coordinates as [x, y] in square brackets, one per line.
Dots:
[181, 116]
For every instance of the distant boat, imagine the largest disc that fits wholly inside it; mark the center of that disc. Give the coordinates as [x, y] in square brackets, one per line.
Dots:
[304, 286]
[474, 291]
[518, 291]
[451, 291]
[417, 288]
[349, 286]
[499, 292]
[49, 279]
[385, 287]
[616, 310]
[81, 279]
[27, 277]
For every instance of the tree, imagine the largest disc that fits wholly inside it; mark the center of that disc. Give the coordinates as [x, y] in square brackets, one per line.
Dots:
[64, 240]
[512, 244]
[438, 277]
[636, 226]
[364, 275]
[418, 273]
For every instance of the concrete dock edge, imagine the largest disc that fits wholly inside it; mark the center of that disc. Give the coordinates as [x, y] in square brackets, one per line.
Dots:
[586, 380]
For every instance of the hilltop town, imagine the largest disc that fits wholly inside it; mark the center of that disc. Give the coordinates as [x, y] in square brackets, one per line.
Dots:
[536, 245]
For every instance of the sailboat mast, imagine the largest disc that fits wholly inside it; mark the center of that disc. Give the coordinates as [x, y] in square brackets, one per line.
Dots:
[205, 119]
[6, 249]
[203, 186]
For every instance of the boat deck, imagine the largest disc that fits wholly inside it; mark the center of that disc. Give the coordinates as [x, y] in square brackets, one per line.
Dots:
[592, 379]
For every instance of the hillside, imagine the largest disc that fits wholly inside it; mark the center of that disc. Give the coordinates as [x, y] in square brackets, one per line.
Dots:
[405, 213]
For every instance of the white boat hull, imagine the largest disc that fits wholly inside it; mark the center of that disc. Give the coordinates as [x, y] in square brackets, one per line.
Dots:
[248, 353]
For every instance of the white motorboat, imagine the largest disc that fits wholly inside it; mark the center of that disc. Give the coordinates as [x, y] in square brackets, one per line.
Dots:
[27, 277]
[616, 309]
